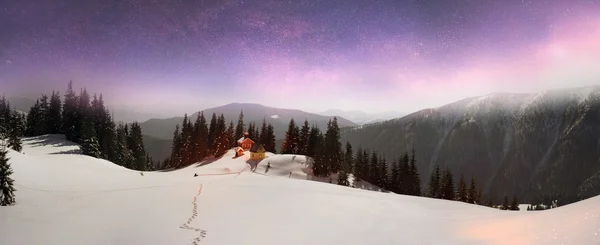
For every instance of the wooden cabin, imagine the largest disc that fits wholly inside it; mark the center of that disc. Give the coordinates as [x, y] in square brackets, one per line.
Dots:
[257, 152]
[239, 152]
[245, 142]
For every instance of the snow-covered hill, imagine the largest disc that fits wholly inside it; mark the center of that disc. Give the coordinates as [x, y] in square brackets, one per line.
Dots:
[66, 198]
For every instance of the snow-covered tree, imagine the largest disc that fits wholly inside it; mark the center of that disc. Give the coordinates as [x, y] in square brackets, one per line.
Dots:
[7, 189]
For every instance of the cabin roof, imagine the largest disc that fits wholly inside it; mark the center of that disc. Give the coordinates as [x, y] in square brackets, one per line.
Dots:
[244, 139]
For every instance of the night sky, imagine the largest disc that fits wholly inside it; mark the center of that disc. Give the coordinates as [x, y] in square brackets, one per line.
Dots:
[175, 55]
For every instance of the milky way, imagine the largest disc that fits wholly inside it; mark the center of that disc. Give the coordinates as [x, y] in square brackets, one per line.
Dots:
[369, 55]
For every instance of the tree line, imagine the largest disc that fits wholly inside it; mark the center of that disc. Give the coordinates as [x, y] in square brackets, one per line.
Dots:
[11, 129]
[84, 119]
[194, 142]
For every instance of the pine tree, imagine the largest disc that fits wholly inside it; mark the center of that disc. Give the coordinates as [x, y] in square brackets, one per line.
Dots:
[461, 193]
[374, 168]
[395, 177]
[320, 164]
[313, 141]
[348, 164]
[7, 189]
[472, 193]
[514, 204]
[290, 143]
[54, 114]
[415, 189]
[490, 202]
[200, 141]
[231, 135]
[15, 131]
[83, 116]
[406, 181]
[263, 137]
[333, 147]
[176, 149]
[222, 139]
[383, 174]
[343, 175]
[448, 192]
[43, 119]
[303, 138]
[89, 142]
[239, 129]
[4, 115]
[212, 134]
[434, 183]
[124, 155]
[69, 113]
[505, 205]
[136, 145]
[358, 166]
[270, 144]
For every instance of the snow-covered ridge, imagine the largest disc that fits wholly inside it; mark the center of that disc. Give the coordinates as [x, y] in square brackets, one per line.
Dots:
[67, 198]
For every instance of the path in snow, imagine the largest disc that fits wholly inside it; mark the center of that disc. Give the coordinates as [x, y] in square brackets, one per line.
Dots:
[194, 215]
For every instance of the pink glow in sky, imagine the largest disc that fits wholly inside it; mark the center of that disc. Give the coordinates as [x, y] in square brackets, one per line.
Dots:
[314, 56]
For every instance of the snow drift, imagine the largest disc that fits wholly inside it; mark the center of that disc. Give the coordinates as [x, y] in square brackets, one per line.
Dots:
[67, 198]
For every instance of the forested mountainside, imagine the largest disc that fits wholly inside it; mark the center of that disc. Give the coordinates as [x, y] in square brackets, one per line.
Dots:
[535, 146]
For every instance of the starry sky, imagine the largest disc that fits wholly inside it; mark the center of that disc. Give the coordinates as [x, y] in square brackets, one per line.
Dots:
[177, 56]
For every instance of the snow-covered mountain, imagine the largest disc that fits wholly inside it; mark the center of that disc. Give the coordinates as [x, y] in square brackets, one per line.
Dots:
[536, 146]
[361, 117]
[64, 198]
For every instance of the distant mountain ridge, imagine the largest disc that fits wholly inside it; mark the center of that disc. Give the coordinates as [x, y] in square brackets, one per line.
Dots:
[161, 130]
[280, 118]
[531, 145]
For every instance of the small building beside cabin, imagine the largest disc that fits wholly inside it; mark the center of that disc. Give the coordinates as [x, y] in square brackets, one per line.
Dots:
[245, 142]
[257, 152]
[239, 152]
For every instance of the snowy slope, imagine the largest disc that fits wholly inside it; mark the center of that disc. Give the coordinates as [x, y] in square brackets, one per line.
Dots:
[74, 199]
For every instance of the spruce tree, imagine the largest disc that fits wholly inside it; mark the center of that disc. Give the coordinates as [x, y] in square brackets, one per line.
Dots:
[89, 142]
[434, 183]
[358, 166]
[212, 134]
[124, 156]
[83, 116]
[395, 177]
[15, 131]
[505, 205]
[43, 119]
[201, 144]
[447, 181]
[514, 204]
[176, 158]
[54, 114]
[348, 164]
[374, 168]
[7, 189]
[303, 138]
[320, 158]
[290, 143]
[231, 135]
[69, 113]
[263, 137]
[270, 144]
[313, 143]
[136, 145]
[461, 193]
[414, 175]
[222, 139]
[406, 181]
[4, 115]
[239, 129]
[383, 174]
[472, 193]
